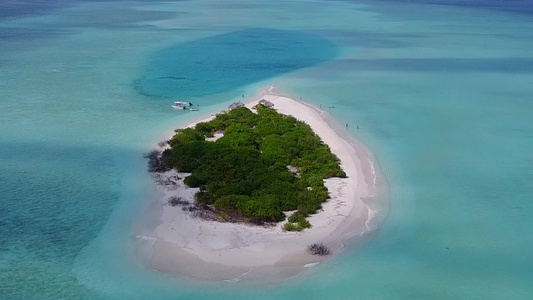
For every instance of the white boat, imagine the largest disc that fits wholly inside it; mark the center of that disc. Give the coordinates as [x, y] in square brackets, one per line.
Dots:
[185, 103]
[193, 109]
[181, 105]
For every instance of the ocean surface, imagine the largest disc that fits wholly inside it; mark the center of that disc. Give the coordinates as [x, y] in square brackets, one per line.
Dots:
[442, 91]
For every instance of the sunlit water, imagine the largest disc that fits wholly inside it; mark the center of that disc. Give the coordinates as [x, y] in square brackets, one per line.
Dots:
[442, 95]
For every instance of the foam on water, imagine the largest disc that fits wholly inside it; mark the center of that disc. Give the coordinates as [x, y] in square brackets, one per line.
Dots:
[311, 265]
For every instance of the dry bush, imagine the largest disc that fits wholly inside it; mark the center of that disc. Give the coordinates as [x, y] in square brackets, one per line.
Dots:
[318, 249]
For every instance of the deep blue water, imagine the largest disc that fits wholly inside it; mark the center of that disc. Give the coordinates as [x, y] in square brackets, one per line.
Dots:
[16, 8]
[225, 62]
[519, 6]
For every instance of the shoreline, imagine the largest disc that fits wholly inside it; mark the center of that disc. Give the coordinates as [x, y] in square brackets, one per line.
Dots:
[184, 246]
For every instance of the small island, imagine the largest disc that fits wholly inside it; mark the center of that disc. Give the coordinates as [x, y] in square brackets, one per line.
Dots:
[264, 165]
[259, 192]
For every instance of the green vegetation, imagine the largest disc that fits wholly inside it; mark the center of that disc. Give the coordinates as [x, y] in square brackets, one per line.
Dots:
[244, 175]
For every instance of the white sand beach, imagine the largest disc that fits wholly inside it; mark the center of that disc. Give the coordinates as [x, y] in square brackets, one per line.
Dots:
[187, 246]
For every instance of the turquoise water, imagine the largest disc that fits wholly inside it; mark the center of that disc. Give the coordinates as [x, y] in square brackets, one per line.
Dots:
[442, 93]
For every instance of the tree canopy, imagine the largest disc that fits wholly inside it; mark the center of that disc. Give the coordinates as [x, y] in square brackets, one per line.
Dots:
[244, 175]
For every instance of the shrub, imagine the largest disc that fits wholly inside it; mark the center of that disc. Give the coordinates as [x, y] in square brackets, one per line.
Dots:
[205, 128]
[318, 249]
[304, 224]
[297, 217]
[300, 225]
[291, 227]
[175, 201]
[230, 203]
[152, 154]
[155, 163]
[204, 198]
[194, 181]
[186, 135]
